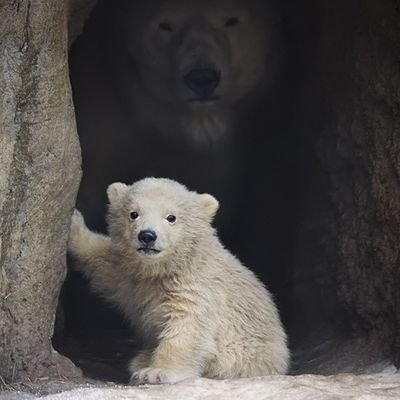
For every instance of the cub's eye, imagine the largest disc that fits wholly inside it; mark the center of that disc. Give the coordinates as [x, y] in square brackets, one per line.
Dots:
[165, 26]
[171, 218]
[134, 215]
[231, 22]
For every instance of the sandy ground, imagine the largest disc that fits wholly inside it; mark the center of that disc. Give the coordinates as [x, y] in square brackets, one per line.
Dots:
[301, 387]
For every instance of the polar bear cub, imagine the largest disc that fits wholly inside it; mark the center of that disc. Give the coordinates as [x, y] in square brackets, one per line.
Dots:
[199, 310]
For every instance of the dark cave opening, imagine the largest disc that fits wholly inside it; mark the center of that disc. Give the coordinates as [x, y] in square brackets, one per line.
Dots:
[283, 223]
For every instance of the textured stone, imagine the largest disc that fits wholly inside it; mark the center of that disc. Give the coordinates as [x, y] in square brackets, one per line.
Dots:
[39, 177]
[348, 114]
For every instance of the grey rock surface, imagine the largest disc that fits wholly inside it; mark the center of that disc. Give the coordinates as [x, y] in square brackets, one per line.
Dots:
[39, 177]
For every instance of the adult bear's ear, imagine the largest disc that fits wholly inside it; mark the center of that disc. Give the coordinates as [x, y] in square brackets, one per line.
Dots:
[210, 204]
[115, 191]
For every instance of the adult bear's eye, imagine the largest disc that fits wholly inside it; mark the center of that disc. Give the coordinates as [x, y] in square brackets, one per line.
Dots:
[134, 215]
[171, 218]
[230, 22]
[165, 26]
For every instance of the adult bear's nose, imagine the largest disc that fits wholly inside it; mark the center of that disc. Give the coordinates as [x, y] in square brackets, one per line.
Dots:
[202, 81]
[147, 237]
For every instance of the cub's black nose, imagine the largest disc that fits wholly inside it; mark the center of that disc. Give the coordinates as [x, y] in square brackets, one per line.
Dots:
[202, 81]
[147, 236]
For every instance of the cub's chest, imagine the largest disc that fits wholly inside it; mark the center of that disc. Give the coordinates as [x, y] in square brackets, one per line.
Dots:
[151, 302]
[158, 303]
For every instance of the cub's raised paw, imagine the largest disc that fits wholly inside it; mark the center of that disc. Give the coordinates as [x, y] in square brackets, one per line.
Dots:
[158, 376]
[77, 221]
[77, 231]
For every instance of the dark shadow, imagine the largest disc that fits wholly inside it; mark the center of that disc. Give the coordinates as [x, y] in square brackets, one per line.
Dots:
[279, 224]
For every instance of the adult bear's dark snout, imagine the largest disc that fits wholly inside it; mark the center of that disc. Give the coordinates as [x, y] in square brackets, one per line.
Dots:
[202, 81]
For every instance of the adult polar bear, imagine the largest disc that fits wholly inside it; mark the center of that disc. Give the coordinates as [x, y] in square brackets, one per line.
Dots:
[164, 88]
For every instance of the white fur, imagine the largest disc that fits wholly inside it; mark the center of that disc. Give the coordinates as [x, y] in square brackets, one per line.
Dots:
[201, 312]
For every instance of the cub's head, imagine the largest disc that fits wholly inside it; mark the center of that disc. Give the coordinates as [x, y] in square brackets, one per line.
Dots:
[201, 56]
[156, 219]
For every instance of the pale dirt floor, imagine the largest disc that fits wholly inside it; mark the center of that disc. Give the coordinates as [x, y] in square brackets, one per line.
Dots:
[300, 387]
[334, 369]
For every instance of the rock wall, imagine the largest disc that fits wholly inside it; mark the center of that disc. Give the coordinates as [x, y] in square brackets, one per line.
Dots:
[39, 178]
[349, 117]
[369, 219]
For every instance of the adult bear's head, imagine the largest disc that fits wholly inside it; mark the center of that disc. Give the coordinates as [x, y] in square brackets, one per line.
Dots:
[201, 57]
[199, 53]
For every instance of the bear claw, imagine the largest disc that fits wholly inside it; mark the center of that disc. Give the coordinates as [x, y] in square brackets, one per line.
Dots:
[157, 376]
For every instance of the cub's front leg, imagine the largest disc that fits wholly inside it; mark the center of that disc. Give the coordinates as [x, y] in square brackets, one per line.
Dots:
[141, 361]
[90, 247]
[94, 255]
[180, 355]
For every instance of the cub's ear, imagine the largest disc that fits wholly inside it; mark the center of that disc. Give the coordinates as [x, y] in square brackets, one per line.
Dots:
[115, 191]
[210, 204]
